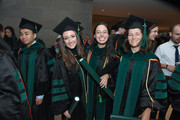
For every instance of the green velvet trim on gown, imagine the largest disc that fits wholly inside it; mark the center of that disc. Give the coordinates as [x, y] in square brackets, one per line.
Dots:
[29, 77]
[140, 61]
[100, 106]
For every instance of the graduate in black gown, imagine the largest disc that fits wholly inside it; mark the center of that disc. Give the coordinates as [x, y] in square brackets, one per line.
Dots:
[13, 97]
[99, 105]
[119, 36]
[35, 62]
[68, 79]
[140, 86]
[174, 93]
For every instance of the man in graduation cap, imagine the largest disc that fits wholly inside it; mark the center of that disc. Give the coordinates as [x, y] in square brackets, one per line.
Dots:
[118, 37]
[140, 79]
[34, 62]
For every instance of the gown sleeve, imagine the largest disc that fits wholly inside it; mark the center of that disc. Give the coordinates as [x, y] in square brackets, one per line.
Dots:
[43, 71]
[156, 87]
[174, 88]
[9, 93]
[60, 97]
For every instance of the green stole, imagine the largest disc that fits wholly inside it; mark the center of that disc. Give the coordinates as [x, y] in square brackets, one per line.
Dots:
[20, 86]
[135, 83]
[175, 78]
[115, 38]
[29, 73]
[100, 106]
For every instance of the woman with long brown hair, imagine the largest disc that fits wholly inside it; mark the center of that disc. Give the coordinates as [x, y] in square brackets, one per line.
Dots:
[68, 76]
[152, 35]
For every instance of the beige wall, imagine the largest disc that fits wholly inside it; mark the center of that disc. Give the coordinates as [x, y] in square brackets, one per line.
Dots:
[49, 13]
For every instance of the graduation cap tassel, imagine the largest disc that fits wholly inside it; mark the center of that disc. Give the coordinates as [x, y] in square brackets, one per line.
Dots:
[100, 99]
[144, 39]
[78, 30]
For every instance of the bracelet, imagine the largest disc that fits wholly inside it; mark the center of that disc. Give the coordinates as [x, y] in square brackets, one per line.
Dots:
[166, 66]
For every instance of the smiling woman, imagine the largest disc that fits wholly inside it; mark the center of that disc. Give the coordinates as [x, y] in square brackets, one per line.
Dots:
[134, 39]
[102, 53]
[137, 79]
[68, 76]
[101, 35]
[70, 39]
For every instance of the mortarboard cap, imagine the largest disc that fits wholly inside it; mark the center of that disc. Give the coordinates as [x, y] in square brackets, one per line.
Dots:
[67, 24]
[27, 24]
[143, 24]
[137, 22]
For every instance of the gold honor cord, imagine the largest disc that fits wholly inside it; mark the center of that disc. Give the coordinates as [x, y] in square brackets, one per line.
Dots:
[83, 76]
[147, 85]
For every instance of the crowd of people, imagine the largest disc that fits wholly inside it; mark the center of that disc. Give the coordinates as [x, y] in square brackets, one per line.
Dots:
[139, 77]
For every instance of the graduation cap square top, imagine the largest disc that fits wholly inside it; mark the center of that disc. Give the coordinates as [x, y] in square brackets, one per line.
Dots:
[143, 24]
[137, 22]
[66, 25]
[28, 24]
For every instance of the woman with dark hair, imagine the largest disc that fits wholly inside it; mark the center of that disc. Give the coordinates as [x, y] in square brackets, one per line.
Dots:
[10, 37]
[13, 97]
[99, 105]
[68, 77]
[140, 85]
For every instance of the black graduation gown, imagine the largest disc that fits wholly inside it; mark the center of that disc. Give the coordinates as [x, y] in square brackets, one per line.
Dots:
[131, 94]
[174, 89]
[66, 84]
[42, 81]
[118, 40]
[13, 98]
[99, 104]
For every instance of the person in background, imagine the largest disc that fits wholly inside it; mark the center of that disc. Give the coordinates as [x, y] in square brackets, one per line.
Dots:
[138, 86]
[152, 35]
[57, 44]
[2, 31]
[169, 53]
[35, 62]
[10, 37]
[118, 38]
[68, 77]
[87, 41]
[166, 51]
[113, 30]
[55, 51]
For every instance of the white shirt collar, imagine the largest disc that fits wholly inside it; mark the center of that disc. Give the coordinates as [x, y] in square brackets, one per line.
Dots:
[34, 42]
[173, 43]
